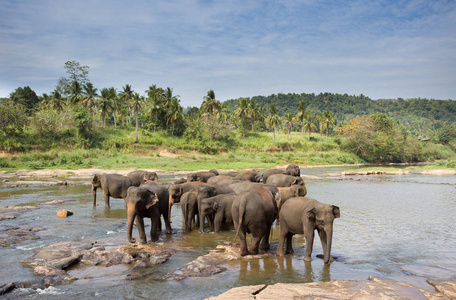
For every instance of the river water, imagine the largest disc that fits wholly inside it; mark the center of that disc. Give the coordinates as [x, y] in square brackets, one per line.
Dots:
[393, 226]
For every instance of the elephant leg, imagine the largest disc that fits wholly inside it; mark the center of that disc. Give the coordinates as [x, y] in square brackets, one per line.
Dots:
[289, 246]
[254, 244]
[167, 223]
[264, 245]
[309, 234]
[106, 199]
[217, 222]
[131, 216]
[283, 235]
[243, 243]
[155, 218]
[210, 219]
[141, 231]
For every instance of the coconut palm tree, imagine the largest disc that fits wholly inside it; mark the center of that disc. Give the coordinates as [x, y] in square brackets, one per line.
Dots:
[308, 124]
[287, 120]
[75, 92]
[90, 95]
[125, 96]
[301, 115]
[154, 102]
[273, 120]
[210, 109]
[242, 112]
[105, 103]
[253, 112]
[136, 106]
[167, 99]
[176, 115]
[321, 123]
[329, 121]
[57, 101]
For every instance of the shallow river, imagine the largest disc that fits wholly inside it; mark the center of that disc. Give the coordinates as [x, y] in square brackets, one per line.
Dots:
[400, 227]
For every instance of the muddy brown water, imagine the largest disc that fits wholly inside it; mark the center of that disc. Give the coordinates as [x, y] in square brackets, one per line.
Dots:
[394, 226]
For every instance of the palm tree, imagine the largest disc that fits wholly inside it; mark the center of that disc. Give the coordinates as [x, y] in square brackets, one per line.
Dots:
[210, 108]
[105, 103]
[329, 121]
[154, 101]
[75, 92]
[57, 101]
[242, 112]
[168, 98]
[308, 124]
[287, 120]
[301, 115]
[175, 113]
[125, 96]
[321, 123]
[136, 107]
[273, 120]
[90, 95]
[253, 112]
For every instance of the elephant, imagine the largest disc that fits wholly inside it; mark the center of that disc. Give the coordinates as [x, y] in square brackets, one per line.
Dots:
[189, 206]
[290, 192]
[215, 172]
[292, 170]
[199, 176]
[220, 207]
[112, 185]
[301, 215]
[139, 177]
[242, 186]
[232, 174]
[142, 203]
[207, 191]
[253, 212]
[281, 180]
[164, 204]
[252, 176]
[180, 181]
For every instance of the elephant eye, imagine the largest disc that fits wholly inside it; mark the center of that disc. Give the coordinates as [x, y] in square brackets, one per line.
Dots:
[321, 222]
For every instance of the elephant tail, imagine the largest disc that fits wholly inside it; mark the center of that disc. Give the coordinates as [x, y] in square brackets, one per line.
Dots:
[242, 206]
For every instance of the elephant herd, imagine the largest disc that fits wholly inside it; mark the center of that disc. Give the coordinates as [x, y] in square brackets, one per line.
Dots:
[252, 201]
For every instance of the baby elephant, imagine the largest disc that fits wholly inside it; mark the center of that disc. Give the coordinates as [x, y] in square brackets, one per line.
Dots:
[142, 203]
[301, 215]
[219, 207]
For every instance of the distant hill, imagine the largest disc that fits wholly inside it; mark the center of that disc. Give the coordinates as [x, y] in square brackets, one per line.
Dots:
[346, 107]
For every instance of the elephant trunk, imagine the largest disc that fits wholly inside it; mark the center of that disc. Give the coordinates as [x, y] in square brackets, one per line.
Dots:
[327, 247]
[131, 214]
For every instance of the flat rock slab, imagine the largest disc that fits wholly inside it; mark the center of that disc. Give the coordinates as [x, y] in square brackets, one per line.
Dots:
[212, 262]
[374, 288]
[53, 261]
[16, 235]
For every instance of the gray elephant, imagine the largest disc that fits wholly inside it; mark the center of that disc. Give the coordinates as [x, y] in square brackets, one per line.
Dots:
[290, 192]
[112, 185]
[253, 212]
[177, 190]
[139, 177]
[252, 176]
[163, 203]
[301, 215]
[199, 176]
[219, 207]
[242, 186]
[207, 191]
[142, 203]
[180, 181]
[221, 179]
[281, 180]
[292, 170]
[189, 206]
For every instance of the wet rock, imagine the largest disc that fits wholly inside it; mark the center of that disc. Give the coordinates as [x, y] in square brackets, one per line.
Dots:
[16, 209]
[56, 202]
[448, 288]
[63, 213]
[5, 180]
[54, 260]
[6, 288]
[24, 232]
[6, 217]
[16, 235]
[374, 288]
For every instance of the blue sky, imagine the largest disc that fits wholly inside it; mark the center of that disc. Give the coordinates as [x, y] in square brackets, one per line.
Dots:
[382, 49]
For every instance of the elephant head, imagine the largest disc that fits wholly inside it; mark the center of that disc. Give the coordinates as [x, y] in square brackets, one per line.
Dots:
[175, 192]
[150, 176]
[322, 217]
[213, 171]
[208, 208]
[192, 177]
[293, 170]
[139, 202]
[206, 192]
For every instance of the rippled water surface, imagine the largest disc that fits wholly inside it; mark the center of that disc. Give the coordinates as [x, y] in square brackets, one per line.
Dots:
[396, 226]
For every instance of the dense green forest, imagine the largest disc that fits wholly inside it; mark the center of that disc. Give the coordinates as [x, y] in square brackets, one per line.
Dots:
[78, 115]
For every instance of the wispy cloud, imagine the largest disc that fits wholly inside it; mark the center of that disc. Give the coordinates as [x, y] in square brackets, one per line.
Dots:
[237, 48]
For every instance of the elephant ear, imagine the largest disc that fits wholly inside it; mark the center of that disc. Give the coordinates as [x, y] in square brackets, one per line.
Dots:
[95, 179]
[152, 199]
[215, 205]
[336, 211]
[311, 214]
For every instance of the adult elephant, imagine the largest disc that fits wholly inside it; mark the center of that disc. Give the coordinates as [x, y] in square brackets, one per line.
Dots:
[189, 206]
[207, 191]
[112, 185]
[242, 186]
[142, 203]
[251, 175]
[200, 176]
[301, 215]
[292, 191]
[164, 204]
[220, 178]
[292, 170]
[219, 207]
[253, 212]
[281, 180]
[177, 190]
[139, 177]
